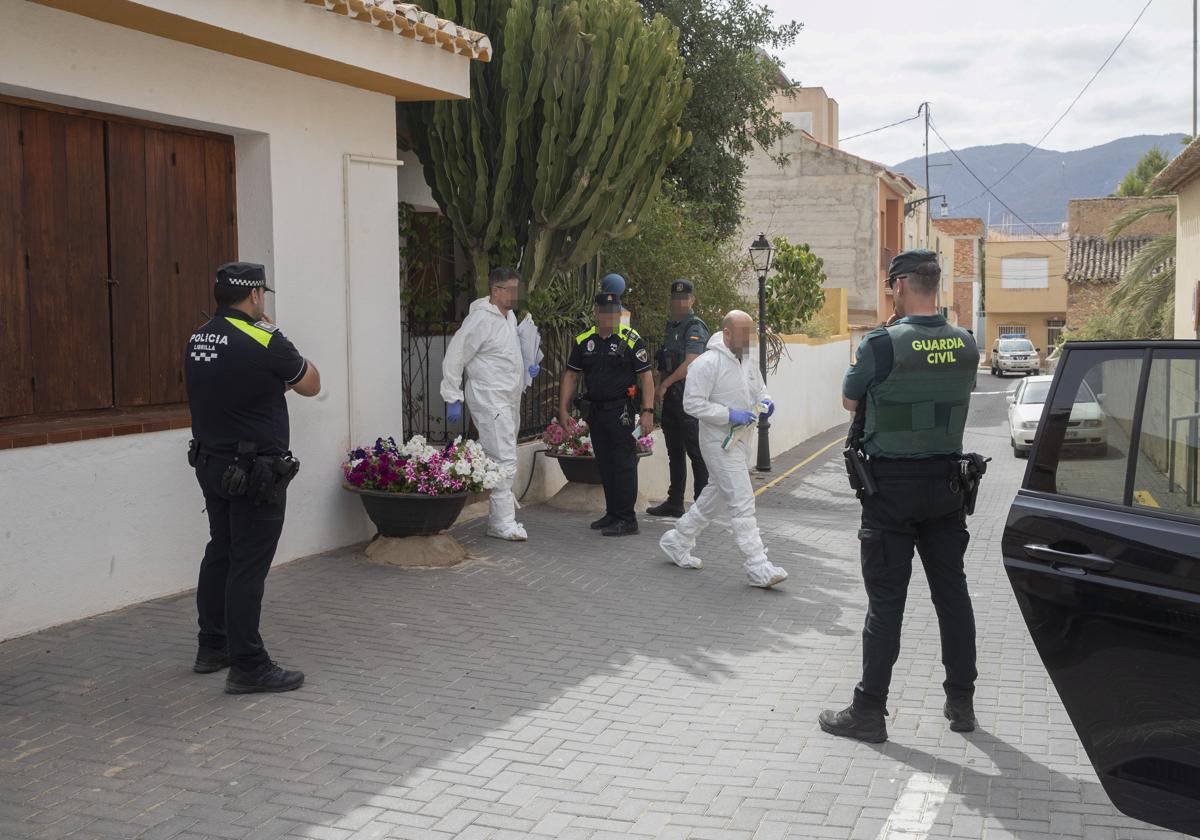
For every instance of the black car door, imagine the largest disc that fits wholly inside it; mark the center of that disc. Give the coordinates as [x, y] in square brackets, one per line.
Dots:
[1102, 548]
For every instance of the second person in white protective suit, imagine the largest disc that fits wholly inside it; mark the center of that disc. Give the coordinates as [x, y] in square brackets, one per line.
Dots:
[723, 388]
[487, 347]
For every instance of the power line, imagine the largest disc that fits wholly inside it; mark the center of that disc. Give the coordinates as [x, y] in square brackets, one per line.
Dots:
[881, 128]
[1063, 116]
[988, 189]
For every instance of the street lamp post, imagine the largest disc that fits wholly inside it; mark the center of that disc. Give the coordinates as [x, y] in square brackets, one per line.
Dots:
[760, 255]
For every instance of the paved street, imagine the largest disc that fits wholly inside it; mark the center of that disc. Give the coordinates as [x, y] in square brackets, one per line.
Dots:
[570, 687]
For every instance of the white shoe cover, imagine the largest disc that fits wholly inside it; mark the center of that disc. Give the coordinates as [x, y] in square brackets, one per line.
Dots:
[672, 545]
[513, 532]
[765, 574]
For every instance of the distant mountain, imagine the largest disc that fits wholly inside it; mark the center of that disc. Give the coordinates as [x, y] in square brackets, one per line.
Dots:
[1039, 188]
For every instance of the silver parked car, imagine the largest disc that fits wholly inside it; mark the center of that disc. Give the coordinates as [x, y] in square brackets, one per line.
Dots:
[1014, 354]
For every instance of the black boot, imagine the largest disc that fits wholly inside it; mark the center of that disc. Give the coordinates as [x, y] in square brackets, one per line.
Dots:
[268, 677]
[961, 714]
[603, 522]
[620, 528]
[210, 661]
[669, 508]
[860, 724]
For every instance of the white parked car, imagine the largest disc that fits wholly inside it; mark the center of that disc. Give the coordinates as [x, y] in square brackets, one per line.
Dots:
[1087, 427]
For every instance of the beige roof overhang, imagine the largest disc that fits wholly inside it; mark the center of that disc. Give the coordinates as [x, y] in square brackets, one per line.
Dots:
[1184, 169]
[379, 45]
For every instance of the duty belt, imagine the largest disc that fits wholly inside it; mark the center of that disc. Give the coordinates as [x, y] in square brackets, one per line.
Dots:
[610, 404]
[940, 467]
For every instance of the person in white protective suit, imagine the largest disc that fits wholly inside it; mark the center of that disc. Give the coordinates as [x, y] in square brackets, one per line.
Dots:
[488, 348]
[723, 389]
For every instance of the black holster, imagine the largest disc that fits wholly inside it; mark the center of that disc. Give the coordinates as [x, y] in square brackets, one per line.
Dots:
[862, 482]
[236, 479]
[585, 408]
[270, 476]
[971, 468]
[193, 452]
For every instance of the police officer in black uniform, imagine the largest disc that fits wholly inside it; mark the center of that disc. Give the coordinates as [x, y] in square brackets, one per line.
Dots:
[911, 389]
[615, 364]
[686, 337]
[239, 366]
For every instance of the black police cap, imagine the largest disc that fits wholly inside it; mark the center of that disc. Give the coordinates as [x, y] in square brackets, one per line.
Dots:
[682, 289]
[608, 302]
[243, 275]
[907, 261]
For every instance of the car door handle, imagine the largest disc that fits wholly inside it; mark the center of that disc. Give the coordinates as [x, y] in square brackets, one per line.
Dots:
[1091, 562]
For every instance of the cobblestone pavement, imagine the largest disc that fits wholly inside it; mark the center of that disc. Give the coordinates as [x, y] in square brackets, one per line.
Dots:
[570, 687]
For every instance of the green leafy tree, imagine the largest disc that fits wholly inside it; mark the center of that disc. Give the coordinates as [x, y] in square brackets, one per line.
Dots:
[675, 241]
[726, 46]
[795, 290]
[567, 134]
[1137, 181]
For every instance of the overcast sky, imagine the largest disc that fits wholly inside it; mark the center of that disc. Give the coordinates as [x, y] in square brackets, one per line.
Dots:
[994, 72]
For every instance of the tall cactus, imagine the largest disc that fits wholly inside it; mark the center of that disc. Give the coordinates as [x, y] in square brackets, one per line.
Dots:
[565, 139]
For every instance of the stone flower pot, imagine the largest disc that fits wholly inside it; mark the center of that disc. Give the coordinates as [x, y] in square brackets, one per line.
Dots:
[410, 514]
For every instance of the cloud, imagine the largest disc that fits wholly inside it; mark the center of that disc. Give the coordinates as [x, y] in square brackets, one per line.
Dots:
[999, 85]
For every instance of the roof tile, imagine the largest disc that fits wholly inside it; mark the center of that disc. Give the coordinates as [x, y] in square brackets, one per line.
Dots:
[1094, 259]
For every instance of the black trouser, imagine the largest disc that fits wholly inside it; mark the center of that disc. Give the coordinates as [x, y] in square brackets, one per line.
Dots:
[919, 504]
[682, 432]
[242, 540]
[616, 457]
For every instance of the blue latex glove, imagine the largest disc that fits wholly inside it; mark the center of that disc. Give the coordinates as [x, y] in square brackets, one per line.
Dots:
[534, 370]
[454, 412]
[770, 407]
[738, 416]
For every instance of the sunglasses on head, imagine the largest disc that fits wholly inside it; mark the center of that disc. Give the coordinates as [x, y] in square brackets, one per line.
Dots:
[891, 281]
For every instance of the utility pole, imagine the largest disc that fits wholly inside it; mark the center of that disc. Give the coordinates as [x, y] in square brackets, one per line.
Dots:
[925, 107]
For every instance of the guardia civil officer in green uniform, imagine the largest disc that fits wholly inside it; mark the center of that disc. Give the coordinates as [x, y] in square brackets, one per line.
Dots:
[615, 366]
[685, 339]
[239, 366]
[913, 380]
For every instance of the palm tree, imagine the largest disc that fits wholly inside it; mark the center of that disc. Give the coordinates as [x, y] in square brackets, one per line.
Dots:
[1143, 302]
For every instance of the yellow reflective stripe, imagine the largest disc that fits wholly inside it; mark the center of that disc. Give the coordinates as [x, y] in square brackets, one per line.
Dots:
[579, 338]
[629, 334]
[261, 336]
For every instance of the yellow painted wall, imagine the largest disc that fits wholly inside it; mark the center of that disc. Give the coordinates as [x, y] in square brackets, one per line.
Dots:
[1187, 260]
[1035, 328]
[1000, 301]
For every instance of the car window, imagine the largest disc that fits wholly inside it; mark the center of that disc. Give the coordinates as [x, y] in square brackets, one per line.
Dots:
[1165, 474]
[1016, 345]
[1083, 448]
[1034, 393]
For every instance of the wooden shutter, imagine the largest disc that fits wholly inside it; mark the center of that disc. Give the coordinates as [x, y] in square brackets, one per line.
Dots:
[172, 222]
[177, 254]
[127, 247]
[65, 235]
[16, 367]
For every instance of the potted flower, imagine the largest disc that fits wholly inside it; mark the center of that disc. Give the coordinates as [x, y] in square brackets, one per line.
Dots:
[417, 489]
[571, 445]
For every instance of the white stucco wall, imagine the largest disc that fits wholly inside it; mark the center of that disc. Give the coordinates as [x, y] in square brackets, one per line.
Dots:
[91, 526]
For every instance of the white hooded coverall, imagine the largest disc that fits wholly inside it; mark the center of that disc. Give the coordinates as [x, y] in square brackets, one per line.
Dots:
[487, 347]
[716, 382]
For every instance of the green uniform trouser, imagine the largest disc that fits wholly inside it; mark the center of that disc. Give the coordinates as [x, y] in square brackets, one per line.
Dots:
[919, 506]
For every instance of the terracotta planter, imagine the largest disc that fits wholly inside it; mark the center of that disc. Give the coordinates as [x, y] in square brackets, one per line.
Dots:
[581, 469]
[410, 514]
